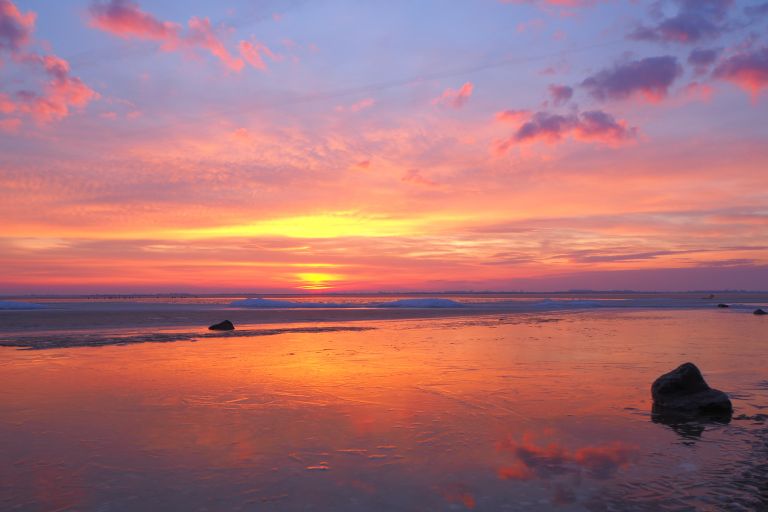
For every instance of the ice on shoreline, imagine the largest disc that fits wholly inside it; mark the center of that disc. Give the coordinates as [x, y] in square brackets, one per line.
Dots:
[282, 304]
[421, 303]
[12, 304]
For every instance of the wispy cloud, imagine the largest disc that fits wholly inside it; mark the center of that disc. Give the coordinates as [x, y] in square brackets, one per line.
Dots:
[455, 98]
[125, 19]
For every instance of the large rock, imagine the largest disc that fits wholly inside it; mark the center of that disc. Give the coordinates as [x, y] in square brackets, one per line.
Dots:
[759, 311]
[684, 391]
[226, 325]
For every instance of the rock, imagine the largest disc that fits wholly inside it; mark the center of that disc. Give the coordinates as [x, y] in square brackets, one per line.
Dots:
[684, 391]
[723, 306]
[759, 311]
[226, 325]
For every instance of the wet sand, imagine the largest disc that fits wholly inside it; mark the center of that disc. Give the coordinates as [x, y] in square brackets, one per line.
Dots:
[451, 413]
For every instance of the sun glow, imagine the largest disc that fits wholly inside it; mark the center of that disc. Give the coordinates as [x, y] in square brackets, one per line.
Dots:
[323, 225]
[316, 280]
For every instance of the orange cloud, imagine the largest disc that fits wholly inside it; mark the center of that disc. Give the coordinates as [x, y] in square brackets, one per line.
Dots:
[455, 98]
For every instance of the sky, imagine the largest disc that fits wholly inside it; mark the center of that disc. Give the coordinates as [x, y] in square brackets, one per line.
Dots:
[316, 146]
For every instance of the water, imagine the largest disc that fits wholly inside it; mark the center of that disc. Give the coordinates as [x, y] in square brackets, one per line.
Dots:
[518, 411]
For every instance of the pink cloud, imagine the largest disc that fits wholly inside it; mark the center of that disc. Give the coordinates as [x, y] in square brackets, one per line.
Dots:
[748, 70]
[363, 104]
[513, 116]
[15, 28]
[10, 125]
[696, 91]
[650, 77]
[201, 34]
[592, 126]
[415, 176]
[532, 459]
[124, 18]
[252, 52]
[242, 135]
[60, 92]
[455, 98]
[7, 105]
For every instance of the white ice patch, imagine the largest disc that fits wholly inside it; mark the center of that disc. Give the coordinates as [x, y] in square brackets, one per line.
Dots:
[281, 304]
[12, 304]
[421, 303]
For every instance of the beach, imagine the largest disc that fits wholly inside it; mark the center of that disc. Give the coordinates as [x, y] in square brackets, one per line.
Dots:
[492, 407]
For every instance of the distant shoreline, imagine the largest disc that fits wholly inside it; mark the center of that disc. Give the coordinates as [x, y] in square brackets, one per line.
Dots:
[533, 294]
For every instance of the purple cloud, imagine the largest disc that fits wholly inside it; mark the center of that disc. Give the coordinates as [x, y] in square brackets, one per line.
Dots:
[545, 126]
[15, 27]
[748, 70]
[560, 94]
[652, 77]
[592, 126]
[702, 58]
[696, 20]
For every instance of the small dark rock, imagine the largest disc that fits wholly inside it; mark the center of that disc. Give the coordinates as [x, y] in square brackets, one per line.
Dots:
[759, 311]
[723, 306]
[684, 391]
[226, 325]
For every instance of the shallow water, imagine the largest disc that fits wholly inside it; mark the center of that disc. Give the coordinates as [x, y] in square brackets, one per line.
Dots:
[512, 412]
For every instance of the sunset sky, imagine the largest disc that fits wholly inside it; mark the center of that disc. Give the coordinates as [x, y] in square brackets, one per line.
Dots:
[288, 145]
